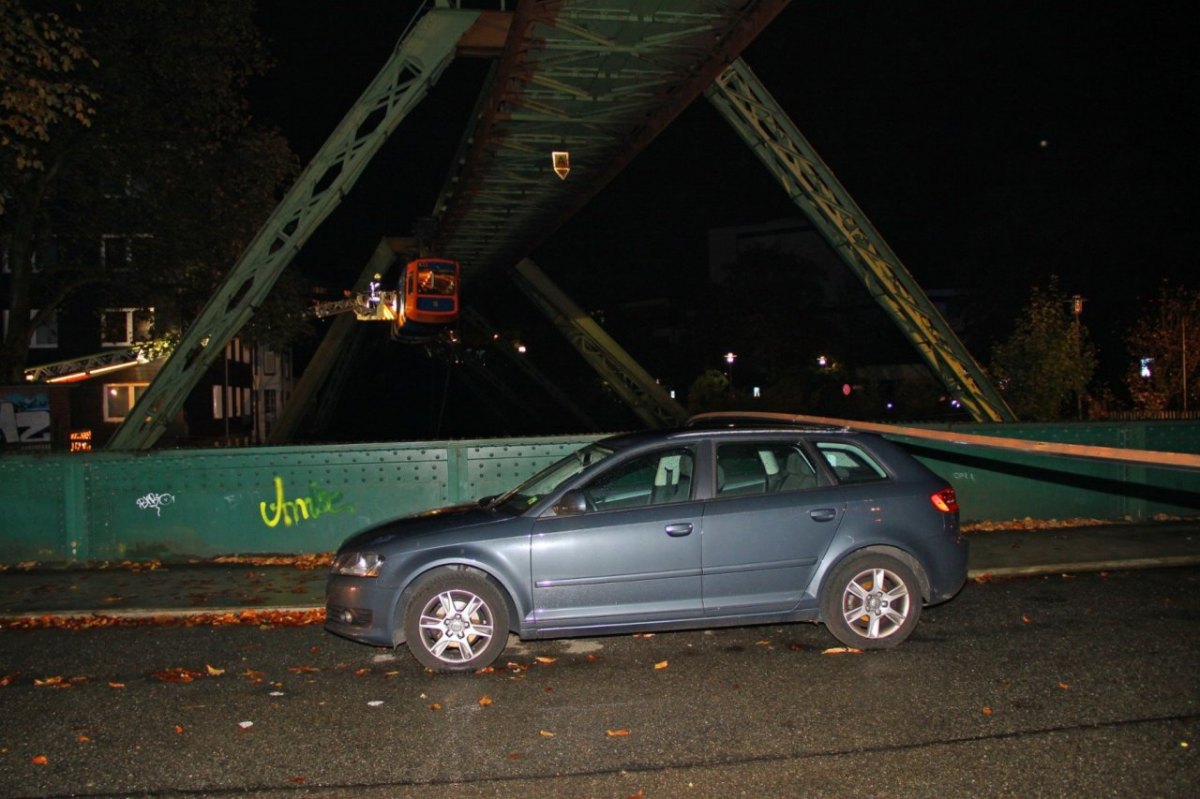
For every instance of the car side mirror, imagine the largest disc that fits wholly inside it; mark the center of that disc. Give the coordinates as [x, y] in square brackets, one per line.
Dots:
[571, 503]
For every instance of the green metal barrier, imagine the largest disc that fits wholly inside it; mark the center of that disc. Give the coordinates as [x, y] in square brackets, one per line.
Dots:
[179, 504]
[997, 485]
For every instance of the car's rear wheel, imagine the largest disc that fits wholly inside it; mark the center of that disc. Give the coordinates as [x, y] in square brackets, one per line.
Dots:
[456, 620]
[872, 601]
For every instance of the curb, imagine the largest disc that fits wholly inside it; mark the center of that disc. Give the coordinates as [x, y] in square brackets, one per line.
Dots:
[1170, 561]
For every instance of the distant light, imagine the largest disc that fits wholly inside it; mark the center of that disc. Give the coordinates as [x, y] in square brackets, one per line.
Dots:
[561, 159]
[730, 358]
[1146, 368]
[521, 348]
[822, 360]
[672, 393]
[1043, 144]
[846, 389]
[757, 392]
[890, 406]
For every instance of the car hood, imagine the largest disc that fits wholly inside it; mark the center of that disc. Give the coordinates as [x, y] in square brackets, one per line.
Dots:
[424, 526]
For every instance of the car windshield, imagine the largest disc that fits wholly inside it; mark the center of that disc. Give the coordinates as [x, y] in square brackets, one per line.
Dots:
[519, 499]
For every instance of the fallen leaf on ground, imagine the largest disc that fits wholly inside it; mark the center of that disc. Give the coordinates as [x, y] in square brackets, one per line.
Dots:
[245, 725]
[545, 661]
[842, 650]
[545, 733]
[177, 674]
[40, 760]
[987, 711]
[179, 729]
[213, 671]
[116, 685]
[435, 707]
[485, 700]
[303, 669]
[1025, 617]
[617, 733]
[1064, 685]
[662, 664]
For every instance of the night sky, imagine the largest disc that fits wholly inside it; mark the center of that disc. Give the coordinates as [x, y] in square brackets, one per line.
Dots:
[991, 144]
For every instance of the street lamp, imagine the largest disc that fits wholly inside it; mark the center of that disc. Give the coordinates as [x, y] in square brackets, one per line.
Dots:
[729, 359]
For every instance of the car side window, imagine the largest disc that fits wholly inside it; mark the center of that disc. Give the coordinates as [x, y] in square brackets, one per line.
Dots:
[762, 467]
[850, 462]
[653, 479]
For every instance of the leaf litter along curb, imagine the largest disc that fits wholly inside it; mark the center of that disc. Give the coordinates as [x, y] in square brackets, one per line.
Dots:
[247, 618]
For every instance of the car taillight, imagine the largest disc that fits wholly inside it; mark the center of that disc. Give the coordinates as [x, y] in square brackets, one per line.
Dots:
[945, 500]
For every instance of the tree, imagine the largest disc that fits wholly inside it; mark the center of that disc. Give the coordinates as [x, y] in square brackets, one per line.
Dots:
[1165, 345]
[1044, 367]
[144, 176]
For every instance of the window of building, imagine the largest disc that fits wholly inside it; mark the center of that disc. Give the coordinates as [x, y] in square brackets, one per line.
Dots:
[121, 251]
[124, 327]
[45, 251]
[270, 401]
[119, 399]
[46, 335]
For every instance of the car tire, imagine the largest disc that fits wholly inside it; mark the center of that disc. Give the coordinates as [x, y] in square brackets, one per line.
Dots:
[871, 601]
[456, 620]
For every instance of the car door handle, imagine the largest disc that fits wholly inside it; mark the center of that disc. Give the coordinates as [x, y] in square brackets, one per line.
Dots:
[823, 514]
[679, 530]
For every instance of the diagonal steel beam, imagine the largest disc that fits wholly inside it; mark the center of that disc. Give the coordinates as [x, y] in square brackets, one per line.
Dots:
[752, 111]
[419, 59]
[644, 396]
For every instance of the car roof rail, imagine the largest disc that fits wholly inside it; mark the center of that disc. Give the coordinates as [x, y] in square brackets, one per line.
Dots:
[736, 419]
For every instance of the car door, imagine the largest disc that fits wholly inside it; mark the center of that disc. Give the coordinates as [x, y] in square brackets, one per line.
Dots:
[633, 555]
[766, 527]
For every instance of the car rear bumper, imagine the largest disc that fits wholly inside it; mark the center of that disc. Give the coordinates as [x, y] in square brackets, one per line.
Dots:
[946, 568]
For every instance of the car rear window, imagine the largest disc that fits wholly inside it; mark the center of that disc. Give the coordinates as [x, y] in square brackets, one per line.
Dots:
[851, 463]
[763, 467]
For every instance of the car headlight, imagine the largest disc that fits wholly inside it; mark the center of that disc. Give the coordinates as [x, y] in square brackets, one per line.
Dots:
[358, 564]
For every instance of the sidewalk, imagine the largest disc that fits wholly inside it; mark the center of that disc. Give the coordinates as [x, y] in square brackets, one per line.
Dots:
[189, 589]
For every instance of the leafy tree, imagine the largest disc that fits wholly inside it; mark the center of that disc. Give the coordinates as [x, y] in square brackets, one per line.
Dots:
[1044, 367]
[1168, 335]
[137, 171]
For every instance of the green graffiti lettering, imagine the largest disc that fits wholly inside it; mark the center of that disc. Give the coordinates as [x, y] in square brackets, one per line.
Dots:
[291, 511]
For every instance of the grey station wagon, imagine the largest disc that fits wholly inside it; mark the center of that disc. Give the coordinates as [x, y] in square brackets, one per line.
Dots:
[660, 531]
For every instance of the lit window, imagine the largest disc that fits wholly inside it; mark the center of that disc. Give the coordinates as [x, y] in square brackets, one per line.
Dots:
[119, 399]
[124, 327]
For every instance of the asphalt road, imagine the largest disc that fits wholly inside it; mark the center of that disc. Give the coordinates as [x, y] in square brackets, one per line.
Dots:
[1031, 687]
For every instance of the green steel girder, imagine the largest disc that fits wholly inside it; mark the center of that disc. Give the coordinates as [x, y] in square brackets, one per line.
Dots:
[419, 59]
[632, 383]
[598, 79]
[765, 127]
[476, 319]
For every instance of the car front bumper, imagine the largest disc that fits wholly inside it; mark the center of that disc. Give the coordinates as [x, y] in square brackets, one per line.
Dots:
[361, 609]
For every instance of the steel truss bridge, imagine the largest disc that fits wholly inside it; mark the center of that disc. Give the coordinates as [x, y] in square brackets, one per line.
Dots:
[598, 79]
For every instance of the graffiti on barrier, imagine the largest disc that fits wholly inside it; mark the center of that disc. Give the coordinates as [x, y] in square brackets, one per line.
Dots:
[25, 419]
[319, 502]
[155, 501]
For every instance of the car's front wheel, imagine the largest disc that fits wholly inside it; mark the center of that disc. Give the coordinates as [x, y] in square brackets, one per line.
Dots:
[456, 620]
[872, 601]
